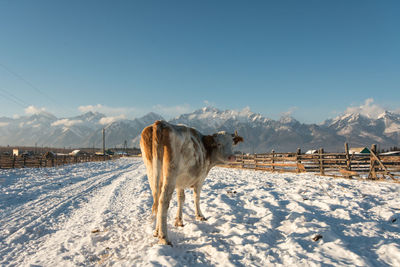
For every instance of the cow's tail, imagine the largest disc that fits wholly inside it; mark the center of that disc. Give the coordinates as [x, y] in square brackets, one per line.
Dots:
[158, 152]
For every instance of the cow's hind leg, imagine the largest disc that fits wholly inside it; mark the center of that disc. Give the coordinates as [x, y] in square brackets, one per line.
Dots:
[155, 233]
[153, 192]
[181, 199]
[198, 213]
[165, 199]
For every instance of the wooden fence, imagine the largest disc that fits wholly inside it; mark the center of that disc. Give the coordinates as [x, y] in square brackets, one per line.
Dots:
[8, 162]
[371, 165]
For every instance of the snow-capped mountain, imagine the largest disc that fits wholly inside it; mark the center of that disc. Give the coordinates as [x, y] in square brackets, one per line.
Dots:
[260, 134]
[122, 130]
[391, 122]
[208, 119]
[27, 129]
[287, 134]
[360, 130]
[44, 129]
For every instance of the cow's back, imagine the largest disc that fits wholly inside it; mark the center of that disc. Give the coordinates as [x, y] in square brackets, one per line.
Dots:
[189, 155]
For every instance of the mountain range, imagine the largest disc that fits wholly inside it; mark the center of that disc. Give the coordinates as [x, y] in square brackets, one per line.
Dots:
[260, 134]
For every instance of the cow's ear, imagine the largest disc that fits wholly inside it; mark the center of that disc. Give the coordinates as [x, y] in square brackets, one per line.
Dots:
[209, 141]
[237, 139]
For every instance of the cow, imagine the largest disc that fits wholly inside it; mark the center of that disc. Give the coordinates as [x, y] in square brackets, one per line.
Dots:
[177, 156]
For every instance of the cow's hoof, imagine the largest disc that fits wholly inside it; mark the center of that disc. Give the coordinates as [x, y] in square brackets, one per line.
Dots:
[178, 222]
[155, 233]
[164, 241]
[201, 218]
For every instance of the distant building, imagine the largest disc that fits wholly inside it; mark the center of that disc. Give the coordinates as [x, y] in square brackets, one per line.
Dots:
[15, 152]
[312, 151]
[75, 153]
[121, 153]
[359, 150]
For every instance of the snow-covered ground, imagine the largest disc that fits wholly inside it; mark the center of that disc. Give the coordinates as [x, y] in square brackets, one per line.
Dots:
[100, 214]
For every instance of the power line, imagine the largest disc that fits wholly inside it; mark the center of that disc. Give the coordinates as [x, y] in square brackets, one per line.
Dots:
[13, 98]
[30, 84]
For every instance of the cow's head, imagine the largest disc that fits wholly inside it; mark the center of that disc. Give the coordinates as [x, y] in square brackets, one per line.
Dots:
[220, 146]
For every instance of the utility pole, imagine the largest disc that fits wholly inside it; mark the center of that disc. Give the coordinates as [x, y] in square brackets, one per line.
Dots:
[125, 148]
[104, 143]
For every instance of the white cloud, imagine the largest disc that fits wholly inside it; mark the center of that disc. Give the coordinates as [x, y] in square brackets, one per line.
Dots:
[108, 120]
[3, 124]
[289, 112]
[172, 111]
[115, 113]
[209, 103]
[31, 110]
[88, 108]
[66, 122]
[108, 110]
[368, 109]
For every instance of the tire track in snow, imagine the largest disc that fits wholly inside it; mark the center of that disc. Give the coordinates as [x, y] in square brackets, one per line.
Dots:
[51, 204]
[102, 229]
[41, 217]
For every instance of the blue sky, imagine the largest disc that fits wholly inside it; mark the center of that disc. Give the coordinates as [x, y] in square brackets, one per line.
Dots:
[312, 59]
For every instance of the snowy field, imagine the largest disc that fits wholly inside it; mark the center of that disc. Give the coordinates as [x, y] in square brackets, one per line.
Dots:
[99, 214]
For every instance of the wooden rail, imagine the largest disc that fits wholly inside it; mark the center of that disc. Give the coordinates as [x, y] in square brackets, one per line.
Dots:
[372, 166]
[9, 162]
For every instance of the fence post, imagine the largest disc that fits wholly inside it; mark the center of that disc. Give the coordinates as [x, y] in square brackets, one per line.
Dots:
[321, 161]
[13, 163]
[348, 162]
[273, 160]
[298, 153]
[372, 170]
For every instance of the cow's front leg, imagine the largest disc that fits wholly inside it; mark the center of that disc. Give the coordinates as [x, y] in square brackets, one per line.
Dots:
[165, 199]
[198, 213]
[181, 199]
